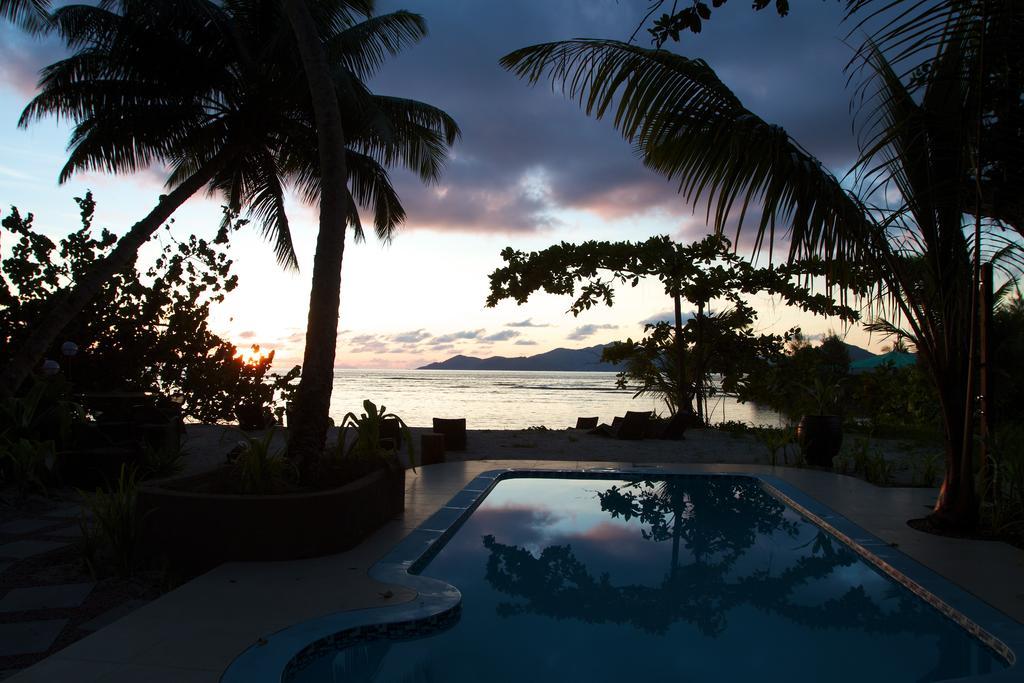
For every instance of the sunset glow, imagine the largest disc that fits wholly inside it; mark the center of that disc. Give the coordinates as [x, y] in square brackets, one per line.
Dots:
[254, 355]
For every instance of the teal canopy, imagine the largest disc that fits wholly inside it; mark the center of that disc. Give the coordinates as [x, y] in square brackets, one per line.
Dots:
[896, 359]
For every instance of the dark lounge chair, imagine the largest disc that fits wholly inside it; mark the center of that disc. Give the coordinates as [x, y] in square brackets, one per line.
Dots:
[586, 422]
[391, 428]
[672, 428]
[454, 431]
[632, 427]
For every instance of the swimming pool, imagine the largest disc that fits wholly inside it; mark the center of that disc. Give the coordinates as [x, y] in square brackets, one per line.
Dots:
[606, 576]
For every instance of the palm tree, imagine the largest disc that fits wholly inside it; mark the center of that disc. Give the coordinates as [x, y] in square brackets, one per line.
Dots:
[690, 127]
[308, 433]
[313, 397]
[31, 15]
[142, 89]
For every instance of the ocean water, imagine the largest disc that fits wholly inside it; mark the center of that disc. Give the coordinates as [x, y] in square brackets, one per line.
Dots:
[505, 399]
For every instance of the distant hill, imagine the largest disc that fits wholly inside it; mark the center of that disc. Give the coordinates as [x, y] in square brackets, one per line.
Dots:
[564, 360]
[857, 353]
[556, 360]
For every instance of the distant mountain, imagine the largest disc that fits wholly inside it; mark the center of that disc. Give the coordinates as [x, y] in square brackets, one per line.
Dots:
[564, 360]
[857, 353]
[556, 360]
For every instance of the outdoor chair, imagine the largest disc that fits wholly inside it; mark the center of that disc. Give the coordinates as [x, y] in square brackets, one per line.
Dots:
[454, 433]
[632, 427]
[586, 422]
[391, 428]
[672, 428]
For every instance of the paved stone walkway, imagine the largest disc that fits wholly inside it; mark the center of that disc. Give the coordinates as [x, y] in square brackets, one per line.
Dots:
[38, 611]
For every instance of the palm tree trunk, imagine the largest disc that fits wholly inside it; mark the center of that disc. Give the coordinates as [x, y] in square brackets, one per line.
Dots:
[957, 506]
[698, 372]
[684, 399]
[67, 303]
[313, 396]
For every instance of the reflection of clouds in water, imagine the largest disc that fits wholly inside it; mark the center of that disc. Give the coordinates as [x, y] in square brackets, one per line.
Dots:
[757, 579]
[523, 525]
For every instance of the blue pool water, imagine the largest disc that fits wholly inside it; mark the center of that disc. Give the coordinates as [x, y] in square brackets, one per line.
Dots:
[688, 578]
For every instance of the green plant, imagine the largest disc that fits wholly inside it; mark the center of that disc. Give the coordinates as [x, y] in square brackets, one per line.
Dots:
[860, 456]
[774, 439]
[843, 463]
[878, 469]
[89, 543]
[115, 527]
[734, 428]
[32, 429]
[825, 395]
[163, 461]
[856, 452]
[925, 467]
[27, 464]
[366, 442]
[257, 469]
[1005, 511]
[43, 413]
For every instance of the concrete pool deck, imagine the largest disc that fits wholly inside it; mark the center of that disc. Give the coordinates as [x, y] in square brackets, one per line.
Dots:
[194, 632]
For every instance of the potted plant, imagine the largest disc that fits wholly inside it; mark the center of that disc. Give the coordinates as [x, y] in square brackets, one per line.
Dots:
[377, 436]
[253, 416]
[258, 507]
[820, 434]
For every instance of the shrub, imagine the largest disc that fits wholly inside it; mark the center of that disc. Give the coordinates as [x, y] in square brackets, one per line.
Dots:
[774, 439]
[27, 464]
[115, 528]
[860, 456]
[146, 329]
[257, 469]
[734, 428]
[1005, 513]
[925, 467]
[162, 462]
[366, 443]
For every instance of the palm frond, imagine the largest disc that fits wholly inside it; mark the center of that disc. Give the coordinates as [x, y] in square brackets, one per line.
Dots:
[31, 15]
[364, 47]
[688, 125]
[265, 201]
[371, 188]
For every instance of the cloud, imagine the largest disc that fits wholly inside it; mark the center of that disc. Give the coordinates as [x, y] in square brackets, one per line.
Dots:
[525, 342]
[248, 334]
[667, 316]
[370, 346]
[527, 323]
[504, 335]
[528, 153]
[411, 337]
[22, 57]
[584, 331]
[455, 336]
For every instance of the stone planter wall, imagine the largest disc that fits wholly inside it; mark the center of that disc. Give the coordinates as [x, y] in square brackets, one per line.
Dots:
[194, 530]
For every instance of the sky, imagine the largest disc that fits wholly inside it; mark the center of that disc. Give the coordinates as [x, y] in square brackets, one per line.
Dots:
[530, 170]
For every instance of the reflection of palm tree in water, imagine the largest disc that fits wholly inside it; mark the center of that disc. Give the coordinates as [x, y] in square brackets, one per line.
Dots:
[717, 519]
[714, 517]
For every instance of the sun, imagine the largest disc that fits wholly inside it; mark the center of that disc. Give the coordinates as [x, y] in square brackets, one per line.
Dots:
[253, 355]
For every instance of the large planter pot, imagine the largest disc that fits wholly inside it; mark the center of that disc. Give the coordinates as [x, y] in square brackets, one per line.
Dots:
[194, 529]
[253, 417]
[820, 437]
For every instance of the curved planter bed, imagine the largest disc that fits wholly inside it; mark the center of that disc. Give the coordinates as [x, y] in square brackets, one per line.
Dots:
[196, 529]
